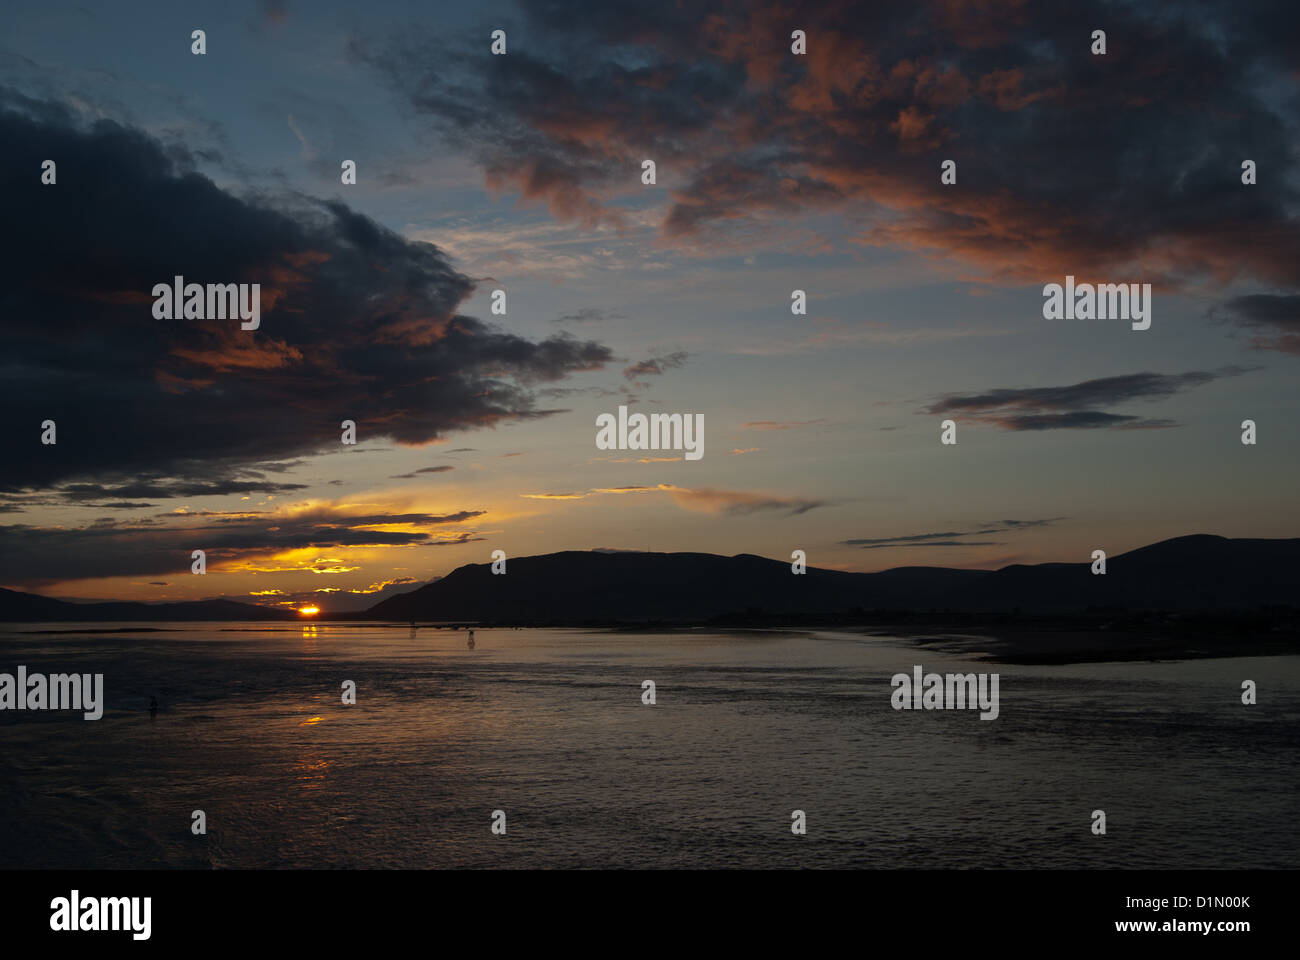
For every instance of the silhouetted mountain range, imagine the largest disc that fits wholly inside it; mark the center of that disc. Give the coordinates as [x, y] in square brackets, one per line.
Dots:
[1193, 573]
[1186, 574]
[29, 607]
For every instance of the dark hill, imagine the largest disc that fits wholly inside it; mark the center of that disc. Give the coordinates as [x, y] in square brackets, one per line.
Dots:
[1195, 573]
[581, 586]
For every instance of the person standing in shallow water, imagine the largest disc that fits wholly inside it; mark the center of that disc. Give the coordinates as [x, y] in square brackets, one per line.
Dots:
[470, 644]
[153, 707]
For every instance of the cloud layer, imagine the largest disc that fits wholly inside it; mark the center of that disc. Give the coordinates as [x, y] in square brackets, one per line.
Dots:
[1126, 165]
[305, 540]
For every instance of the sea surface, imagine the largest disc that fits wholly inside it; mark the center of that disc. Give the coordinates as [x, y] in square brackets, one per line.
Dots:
[549, 727]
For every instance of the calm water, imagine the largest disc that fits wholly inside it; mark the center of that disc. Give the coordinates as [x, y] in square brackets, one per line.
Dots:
[548, 725]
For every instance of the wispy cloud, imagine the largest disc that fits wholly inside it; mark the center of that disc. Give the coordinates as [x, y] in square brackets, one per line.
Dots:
[1071, 407]
[703, 499]
[416, 473]
[780, 424]
[655, 366]
[590, 315]
[951, 538]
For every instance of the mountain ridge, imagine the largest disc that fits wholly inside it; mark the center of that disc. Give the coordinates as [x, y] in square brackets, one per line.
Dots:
[1197, 572]
[1194, 572]
[16, 606]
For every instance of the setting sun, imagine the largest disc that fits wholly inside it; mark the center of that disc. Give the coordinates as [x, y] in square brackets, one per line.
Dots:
[309, 611]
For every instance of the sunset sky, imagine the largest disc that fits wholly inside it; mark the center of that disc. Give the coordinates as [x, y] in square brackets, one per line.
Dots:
[522, 172]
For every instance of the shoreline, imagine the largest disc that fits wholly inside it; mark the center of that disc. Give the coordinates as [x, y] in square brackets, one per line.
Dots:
[1061, 647]
[1006, 639]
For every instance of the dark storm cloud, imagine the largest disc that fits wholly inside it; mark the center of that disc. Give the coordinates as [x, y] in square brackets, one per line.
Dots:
[1067, 162]
[1273, 320]
[1070, 407]
[357, 323]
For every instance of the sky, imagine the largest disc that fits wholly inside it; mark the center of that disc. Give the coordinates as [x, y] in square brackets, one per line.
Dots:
[774, 172]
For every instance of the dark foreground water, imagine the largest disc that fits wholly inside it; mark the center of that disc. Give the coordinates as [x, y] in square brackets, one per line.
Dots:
[549, 727]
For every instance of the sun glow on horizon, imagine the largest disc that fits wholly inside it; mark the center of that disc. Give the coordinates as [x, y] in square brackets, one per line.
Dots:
[309, 610]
